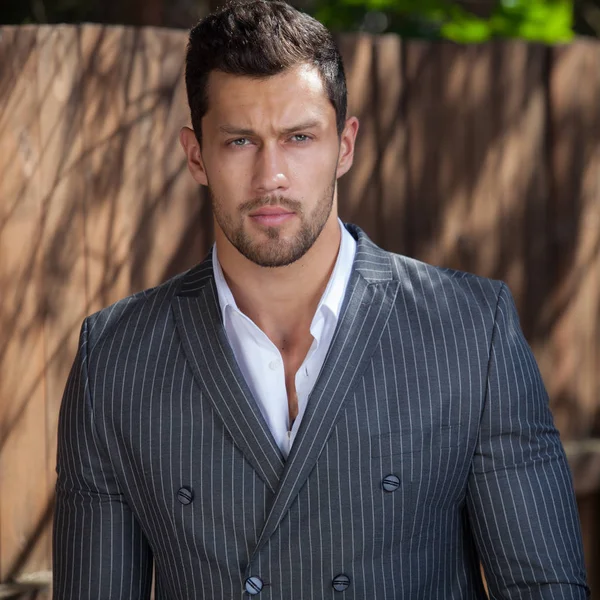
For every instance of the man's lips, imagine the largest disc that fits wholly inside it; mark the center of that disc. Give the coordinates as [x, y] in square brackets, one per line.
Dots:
[271, 215]
[270, 211]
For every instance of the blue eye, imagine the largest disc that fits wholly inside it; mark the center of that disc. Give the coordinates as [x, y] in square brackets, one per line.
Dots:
[240, 142]
[300, 137]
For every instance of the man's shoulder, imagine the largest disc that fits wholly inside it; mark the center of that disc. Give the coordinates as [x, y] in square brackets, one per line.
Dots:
[140, 307]
[445, 275]
[418, 277]
[453, 286]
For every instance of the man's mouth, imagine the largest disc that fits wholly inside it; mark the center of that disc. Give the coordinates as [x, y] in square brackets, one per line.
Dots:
[271, 215]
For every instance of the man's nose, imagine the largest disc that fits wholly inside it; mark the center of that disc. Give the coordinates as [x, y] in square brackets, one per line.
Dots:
[270, 173]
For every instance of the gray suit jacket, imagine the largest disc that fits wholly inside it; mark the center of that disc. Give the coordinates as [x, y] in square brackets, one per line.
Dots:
[427, 446]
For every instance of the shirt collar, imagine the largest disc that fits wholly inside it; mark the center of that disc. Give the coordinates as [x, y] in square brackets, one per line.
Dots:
[332, 297]
[225, 296]
[334, 293]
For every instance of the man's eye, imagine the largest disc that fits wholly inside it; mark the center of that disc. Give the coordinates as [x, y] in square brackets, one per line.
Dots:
[300, 137]
[240, 142]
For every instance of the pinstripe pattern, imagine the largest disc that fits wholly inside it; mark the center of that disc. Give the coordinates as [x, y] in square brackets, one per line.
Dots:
[428, 378]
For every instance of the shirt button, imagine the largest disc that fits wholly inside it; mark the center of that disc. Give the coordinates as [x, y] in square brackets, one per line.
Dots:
[273, 365]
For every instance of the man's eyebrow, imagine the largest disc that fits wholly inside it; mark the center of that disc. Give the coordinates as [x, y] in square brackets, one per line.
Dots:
[306, 125]
[233, 130]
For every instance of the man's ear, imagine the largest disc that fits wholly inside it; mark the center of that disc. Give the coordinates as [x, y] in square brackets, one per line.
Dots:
[347, 143]
[191, 147]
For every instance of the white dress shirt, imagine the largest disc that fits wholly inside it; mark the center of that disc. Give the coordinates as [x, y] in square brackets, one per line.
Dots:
[259, 359]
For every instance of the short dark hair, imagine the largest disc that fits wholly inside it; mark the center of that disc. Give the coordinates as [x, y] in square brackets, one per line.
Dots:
[261, 38]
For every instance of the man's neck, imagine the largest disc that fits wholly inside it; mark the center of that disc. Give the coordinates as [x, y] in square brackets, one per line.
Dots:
[282, 301]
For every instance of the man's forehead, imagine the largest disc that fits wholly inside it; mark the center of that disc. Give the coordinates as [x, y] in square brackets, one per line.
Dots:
[304, 75]
[301, 85]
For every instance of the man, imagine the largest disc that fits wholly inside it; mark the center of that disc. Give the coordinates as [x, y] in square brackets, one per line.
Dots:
[304, 415]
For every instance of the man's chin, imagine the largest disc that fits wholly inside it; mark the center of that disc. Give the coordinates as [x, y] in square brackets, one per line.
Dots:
[271, 255]
[272, 261]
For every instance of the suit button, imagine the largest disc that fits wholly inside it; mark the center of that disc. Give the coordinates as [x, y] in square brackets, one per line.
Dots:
[254, 585]
[341, 582]
[390, 483]
[185, 495]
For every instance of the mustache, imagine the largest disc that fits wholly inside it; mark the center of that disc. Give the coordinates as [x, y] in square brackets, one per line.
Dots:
[256, 203]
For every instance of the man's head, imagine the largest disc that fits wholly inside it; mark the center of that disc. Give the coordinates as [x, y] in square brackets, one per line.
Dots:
[267, 95]
[260, 39]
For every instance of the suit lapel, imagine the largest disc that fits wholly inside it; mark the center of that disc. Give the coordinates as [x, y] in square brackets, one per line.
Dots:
[369, 301]
[199, 324]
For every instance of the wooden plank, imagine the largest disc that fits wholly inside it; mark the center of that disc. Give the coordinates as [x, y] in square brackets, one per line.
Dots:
[477, 246]
[521, 184]
[424, 124]
[574, 305]
[531, 201]
[185, 204]
[437, 204]
[172, 227]
[457, 111]
[146, 217]
[464, 118]
[63, 296]
[391, 142]
[110, 97]
[23, 468]
[139, 196]
[358, 192]
[517, 98]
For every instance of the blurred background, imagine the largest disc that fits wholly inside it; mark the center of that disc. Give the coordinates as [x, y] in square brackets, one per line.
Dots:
[460, 20]
[479, 150]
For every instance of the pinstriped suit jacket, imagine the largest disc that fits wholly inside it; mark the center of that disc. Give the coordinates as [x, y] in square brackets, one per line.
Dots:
[164, 457]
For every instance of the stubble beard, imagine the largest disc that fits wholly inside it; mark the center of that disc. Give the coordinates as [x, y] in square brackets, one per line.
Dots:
[276, 252]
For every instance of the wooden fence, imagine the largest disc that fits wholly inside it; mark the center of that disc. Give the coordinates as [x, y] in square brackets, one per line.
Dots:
[484, 158]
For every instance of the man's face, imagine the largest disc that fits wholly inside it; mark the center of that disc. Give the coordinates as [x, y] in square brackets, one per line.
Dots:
[270, 156]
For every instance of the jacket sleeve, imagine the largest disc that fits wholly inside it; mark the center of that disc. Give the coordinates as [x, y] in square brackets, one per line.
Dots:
[99, 550]
[520, 497]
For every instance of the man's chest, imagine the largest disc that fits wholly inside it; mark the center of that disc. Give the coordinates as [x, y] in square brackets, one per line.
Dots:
[179, 432]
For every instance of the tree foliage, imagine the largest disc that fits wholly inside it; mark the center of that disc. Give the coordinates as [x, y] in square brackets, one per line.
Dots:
[547, 21]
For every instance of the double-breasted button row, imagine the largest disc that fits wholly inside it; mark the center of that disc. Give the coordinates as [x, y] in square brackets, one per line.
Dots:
[390, 483]
[254, 585]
